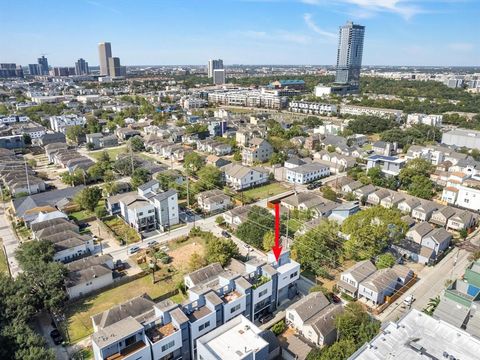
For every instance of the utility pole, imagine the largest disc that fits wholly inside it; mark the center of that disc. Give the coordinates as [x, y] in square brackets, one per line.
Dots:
[26, 173]
[131, 156]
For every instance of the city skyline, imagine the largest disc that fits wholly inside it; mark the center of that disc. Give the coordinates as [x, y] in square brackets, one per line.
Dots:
[301, 32]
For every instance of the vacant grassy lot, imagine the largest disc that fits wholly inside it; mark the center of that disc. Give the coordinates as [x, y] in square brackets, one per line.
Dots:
[122, 231]
[112, 152]
[263, 192]
[79, 313]
[3, 260]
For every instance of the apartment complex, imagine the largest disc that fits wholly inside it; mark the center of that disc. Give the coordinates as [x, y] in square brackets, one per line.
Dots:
[237, 296]
[270, 99]
[313, 108]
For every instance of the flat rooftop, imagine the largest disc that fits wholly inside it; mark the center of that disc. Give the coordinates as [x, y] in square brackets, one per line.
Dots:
[234, 339]
[199, 313]
[416, 335]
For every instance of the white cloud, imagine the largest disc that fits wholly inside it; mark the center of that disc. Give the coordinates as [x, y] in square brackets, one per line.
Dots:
[277, 36]
[367, 8]
[313, 26]
[460, 46]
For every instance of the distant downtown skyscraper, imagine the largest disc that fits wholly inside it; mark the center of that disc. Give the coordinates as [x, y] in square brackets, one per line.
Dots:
[349, 56]
[43, 62]
[214, 65]
[104, 52]
[81, 67]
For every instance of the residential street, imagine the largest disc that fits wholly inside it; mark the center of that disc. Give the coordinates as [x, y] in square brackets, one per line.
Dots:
[432, 281]
[10, 242]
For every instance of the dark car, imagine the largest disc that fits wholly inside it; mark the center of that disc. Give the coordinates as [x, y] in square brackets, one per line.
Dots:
[56, 337]
[265, 318]
[226, 234]
[336, 299]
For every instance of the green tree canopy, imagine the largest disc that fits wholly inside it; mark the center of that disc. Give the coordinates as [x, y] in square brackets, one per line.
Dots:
[193, 162]
[209, 177]
[385, 261]
[319, 247]
[88, 197]
[140, 176]
[369, 231]
[220, 250]
[137, 143]
[259, 221]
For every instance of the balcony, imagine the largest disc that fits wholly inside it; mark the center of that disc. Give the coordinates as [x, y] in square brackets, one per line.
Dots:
[126, 352]
[232, 296]
[159, 332]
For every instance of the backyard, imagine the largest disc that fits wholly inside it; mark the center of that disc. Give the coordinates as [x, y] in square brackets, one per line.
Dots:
[266, 191]
[112, 152]
[122, 231]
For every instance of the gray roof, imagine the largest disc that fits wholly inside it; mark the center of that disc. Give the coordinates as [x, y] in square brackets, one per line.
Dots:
[84, 275]
[324, 322]
[310, 305]
[440, 235]
[206, 273]
[52, 223]
[380, 280]
[422, 228]
[45, 198]
[88, 262]
[164, 195]
[116, 331]
[451, 312]
[148, 184]
[132, 308]
[307, 168]
[361, 270]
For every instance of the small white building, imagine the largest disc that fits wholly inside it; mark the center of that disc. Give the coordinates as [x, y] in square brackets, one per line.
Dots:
[306, 173]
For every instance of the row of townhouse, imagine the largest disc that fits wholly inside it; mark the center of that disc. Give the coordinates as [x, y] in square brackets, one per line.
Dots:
[146, 209]
[336, 162]
[430, 120]
[363, 110]
[457, 192]
[363, 280]
[60, 123]
[17, 176]
[13, 119]
[313, 108]
[214, 147]
[142, 329]
[270, 99]
[165, 148]
[436, 155]
[306, 173]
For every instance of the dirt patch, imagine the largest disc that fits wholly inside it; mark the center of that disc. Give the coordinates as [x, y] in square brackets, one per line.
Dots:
[181, 255]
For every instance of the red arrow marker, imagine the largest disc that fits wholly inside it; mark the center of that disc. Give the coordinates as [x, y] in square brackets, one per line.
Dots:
[277, 249]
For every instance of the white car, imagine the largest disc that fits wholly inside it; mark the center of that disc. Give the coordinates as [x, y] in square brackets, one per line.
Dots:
[133, 250]
[152, 243]
[409, 300]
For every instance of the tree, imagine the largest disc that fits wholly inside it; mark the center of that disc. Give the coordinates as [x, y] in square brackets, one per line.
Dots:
[329, 194]
[415, 167]
[123, 166]
[385, 261]
[237, 156]
[74, 133]
[355, 324]
[76, 178]
[219, 220]
[90, 146]
[220, 250]
[209, 177]
[463, 233]
[421, 187]
[340, 350]
[268, 241]
[30, 253]
[258, 222]
[278, 158]
[196, 262]
[137, 143]
[96, 171]
[140, 176]
[371, 230]
[193, 162]
[319, 247]
[27, 139]
[88, 198]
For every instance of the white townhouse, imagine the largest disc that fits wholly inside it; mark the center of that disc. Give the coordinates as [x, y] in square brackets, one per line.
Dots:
[241, 177]
[306, 173]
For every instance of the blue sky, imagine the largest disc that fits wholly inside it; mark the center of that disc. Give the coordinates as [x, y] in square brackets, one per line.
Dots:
[398, 32]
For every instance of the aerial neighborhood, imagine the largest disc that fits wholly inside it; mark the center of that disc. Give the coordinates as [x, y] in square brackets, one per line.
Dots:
[239, 212]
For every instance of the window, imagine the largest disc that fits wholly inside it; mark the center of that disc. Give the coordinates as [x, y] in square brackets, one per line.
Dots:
[204, 326]
[293, 275]
[168, 345]
[291, 317]
[261, 293]
[140, 213]
[235, 308]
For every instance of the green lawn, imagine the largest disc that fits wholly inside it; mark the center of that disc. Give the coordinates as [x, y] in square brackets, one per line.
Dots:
[79, 313]
[81, 215]
[147, 157]
[263, 192]
[3, 260]
[294, 225]
[113, 152]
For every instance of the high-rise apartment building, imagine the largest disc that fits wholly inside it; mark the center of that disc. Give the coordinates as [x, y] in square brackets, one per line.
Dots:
[214, 65]
[114, 67]
[219, 76]
[104, 53]
[10, 70]
[349, 56]
[43, 62]
[81, 67]
[34, 69]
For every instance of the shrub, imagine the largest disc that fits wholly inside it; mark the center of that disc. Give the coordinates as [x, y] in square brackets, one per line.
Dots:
[279, 327]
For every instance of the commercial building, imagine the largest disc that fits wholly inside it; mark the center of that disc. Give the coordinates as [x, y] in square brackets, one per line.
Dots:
[104, 53]
[418, 336]
[462, 138]
[214, 65]
[81, 67]
[349, 55]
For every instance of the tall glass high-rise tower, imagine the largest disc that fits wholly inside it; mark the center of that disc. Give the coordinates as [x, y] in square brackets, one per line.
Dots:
[349, 56]
[104, 52]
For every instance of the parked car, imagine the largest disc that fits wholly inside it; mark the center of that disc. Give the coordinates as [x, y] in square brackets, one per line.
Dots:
[336, 299]
[56, 337]
[133, 250]
[152, 243]
[226, 234]
[314, 185]
[119, 265]
[265, 318]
